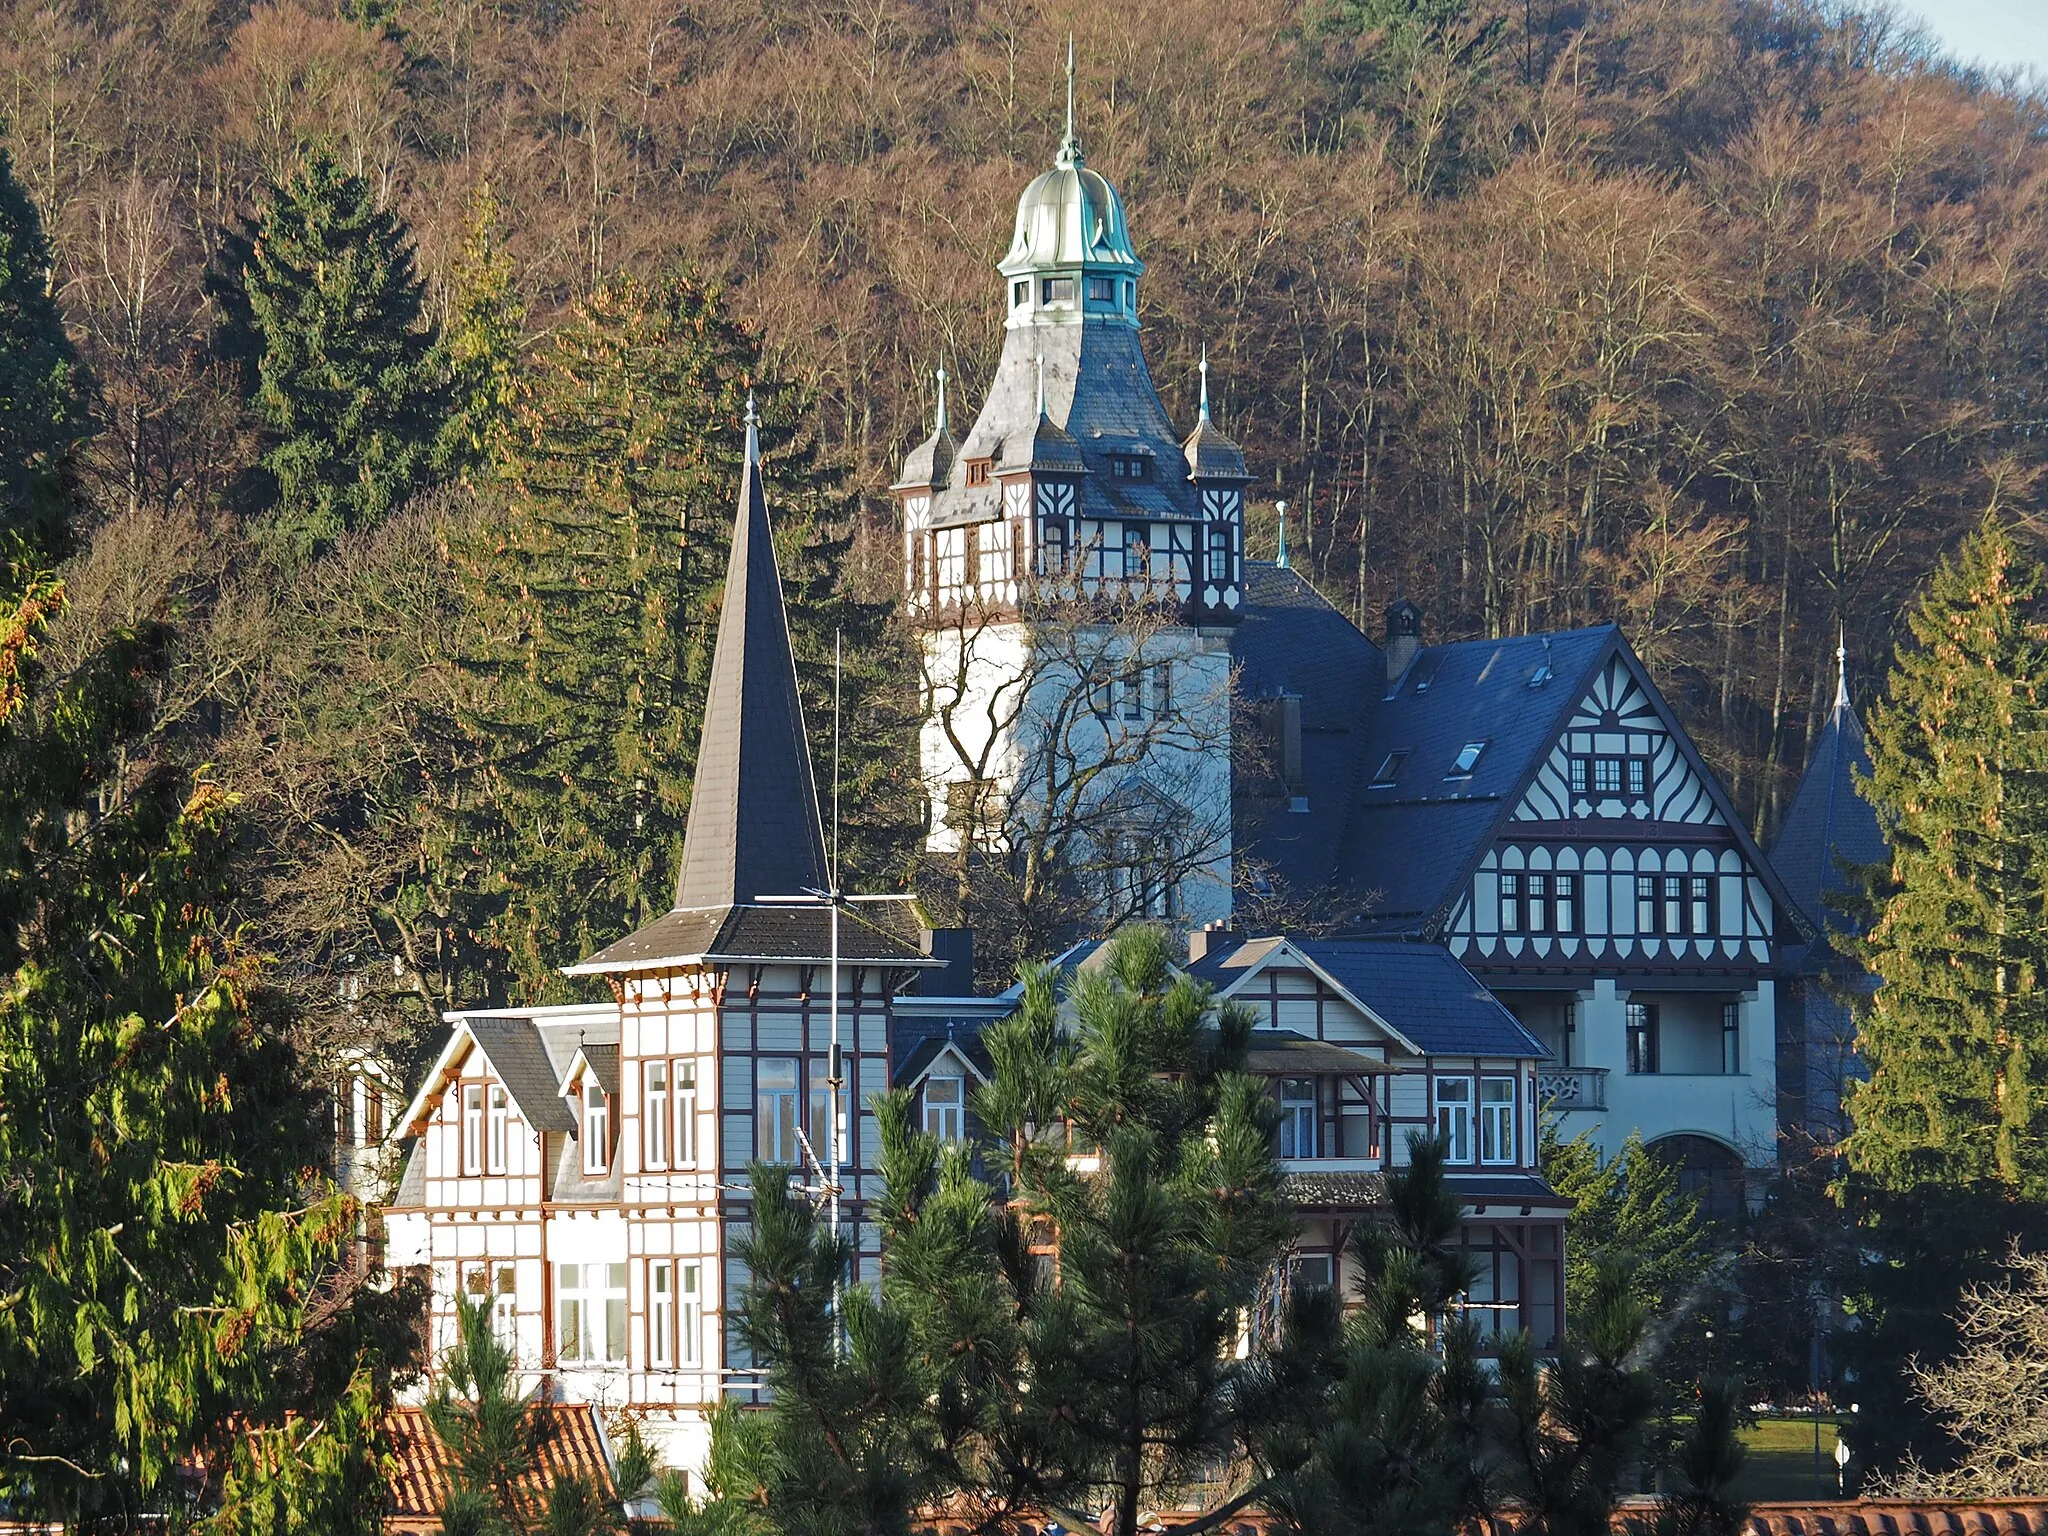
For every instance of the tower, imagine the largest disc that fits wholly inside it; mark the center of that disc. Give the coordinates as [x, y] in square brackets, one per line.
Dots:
[1074, 567]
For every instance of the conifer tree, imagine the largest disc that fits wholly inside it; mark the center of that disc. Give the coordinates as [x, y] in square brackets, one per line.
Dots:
[322, 310]
[42, 410]
[481, 344]
[596, 584]
[175, 1280]
[1956, 1035]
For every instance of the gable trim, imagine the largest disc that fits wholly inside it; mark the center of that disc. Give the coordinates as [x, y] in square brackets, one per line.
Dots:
[1284, 947]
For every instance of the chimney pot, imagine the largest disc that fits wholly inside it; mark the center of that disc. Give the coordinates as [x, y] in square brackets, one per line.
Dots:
[1404, 638]
[1215, 938]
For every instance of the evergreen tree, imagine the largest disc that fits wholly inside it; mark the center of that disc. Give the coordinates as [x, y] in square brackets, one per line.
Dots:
[482, 344]
[596, 583]
[42, 408]
[1956, 1034]
[1629, 1208]
[322, 309]
[174, 1282]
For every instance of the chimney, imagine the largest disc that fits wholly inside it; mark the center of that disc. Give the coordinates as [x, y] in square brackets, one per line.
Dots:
[1404, 638]
[955, 978]
[1217, 938]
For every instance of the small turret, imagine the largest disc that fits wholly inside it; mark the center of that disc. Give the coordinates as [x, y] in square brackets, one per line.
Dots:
[927, 466]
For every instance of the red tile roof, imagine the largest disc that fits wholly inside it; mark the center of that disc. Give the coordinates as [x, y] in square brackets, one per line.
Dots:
[571, 1445]
[1902, 1517]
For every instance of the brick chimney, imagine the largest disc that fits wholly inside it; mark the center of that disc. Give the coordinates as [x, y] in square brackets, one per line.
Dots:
[1217, 938]
[1404, 638]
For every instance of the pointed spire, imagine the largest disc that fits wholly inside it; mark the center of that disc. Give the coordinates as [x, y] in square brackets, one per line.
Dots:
[1041, 386]
[1281, 558]
[939, 421]
[1842, 667]
[1205, 381]
[754, 828]
[1070, 147]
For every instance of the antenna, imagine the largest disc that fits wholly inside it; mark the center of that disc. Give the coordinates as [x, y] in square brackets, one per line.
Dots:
[838, 672]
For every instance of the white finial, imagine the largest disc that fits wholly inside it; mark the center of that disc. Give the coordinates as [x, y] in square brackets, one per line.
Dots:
[753, 431]
[1205, 381]
[1070, 146]
[1041, 384]
[1280, 559]
[940, 424]
[1842, 667]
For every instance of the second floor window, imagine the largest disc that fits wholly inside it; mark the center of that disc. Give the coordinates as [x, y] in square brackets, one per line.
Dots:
[1643, 1052]
[654, 1114]
[944, 1108]
[590, 1312]
[1539, 901]
[661, 1312]
[1219, 552]
[597, 1128]
[1676, 906]
[1454, 1117]
[500, 1129]
[686, 1114]
[472, 1127]
[1731, 1038]
[775, 1110]
[1297, 1117]
[1496, 1120]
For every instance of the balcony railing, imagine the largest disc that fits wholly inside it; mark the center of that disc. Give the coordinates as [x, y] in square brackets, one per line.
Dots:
[1573, 1087]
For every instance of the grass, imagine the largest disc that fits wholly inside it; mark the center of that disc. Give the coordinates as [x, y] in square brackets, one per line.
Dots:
[1780, 1461]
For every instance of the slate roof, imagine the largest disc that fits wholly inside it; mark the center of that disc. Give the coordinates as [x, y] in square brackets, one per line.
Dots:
[754, 933]
[520, 1057]
[1829, 823]
[931, 1047]
[1335, 1191]
[1407, 848]
[1280, 1052]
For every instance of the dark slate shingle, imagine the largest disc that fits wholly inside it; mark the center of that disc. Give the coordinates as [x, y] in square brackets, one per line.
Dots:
[1422, 991]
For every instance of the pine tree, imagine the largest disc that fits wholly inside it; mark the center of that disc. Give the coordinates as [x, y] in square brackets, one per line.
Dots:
[596, 584]
[42, 406]
[1956, 1035]
[1626, 1207]
[322, 308]
[482, 344]
[174, 1281]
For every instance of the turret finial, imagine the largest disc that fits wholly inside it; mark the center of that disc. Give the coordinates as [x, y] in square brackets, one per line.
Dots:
[1205, 381]
[1041, 384]
[939, 425]
[1281, 558]
[1842, 666]
[1070, 146]
[753, 431]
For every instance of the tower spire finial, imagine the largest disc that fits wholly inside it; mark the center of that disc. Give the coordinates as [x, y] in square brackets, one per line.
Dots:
[753, 431]
[1041, 385]
[939, 423]
[1070, 146]
[1842, 665]
[1205, 381]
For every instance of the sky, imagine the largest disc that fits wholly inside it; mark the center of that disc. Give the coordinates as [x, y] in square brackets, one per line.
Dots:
[1994, 32]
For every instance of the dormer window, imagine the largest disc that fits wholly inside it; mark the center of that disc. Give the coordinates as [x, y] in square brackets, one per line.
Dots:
[978, 471]
[597, 1127]
[1466, 760]
[1101, 290]
[1056, 290]
[1130, 466]
[944, 1108]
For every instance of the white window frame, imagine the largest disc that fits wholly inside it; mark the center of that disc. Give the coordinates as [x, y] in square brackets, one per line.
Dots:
[690, 1315]
[1298, 1116]
[498, 1147]
[597, 1127]
[472, 1128]
[1454, 1117]
[661, 1312]
[685, 1080]
[946, 1117]
[654, 1113]
[777, 1111]
[590, 1310]
[1496, 1120]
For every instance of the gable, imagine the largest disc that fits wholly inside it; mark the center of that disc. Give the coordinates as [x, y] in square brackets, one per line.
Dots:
[1617, 730]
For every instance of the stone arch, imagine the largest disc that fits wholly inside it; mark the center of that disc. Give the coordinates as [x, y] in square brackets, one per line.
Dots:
[1709, 1169]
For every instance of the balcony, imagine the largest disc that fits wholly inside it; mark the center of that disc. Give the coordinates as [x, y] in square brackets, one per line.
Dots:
[1572, 1087]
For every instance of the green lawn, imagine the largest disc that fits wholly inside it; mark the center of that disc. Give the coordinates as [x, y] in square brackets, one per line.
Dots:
[1780, 1461]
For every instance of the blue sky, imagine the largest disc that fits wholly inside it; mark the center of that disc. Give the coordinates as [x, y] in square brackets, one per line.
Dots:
[1994, 32]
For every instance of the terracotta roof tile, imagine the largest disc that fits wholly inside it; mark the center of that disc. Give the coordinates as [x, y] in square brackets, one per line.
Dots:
[571, 1445]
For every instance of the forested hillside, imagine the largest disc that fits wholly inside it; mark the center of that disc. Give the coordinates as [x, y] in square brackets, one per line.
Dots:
[1719, 318]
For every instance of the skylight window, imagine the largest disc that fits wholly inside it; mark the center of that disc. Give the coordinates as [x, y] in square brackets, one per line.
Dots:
[1389, 770]
[1425, 674]
[1466, 760]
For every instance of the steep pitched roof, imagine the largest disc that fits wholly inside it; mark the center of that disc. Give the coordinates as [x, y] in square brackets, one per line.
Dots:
[1829, 823]
[754, 828]
[568, 1443]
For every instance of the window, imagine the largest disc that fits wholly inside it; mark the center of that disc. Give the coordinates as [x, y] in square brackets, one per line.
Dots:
[775, 1110]
[1161, 675]
[597, 1127]
[978, 471]
[496, 1286]
[1638, 776]
[1700, 891]
[373, 1113]
[944, 1106]
[1219, 552]
[1297, 1117]
[661, 1312]
[654, 1114]
[1135, 536]
[1454, 1117]
[823, 1129]
[1130, 294]
[1312, 1271]
[1131, 691]
[1020, 294]
[1606, 775]
[1579, 775]
[1510, 903]
[1539, 903]
[1496, 1120]
[686, 1114]
[1129, 467]
[1101, 290]
[501, 1115]
[1564, 903]
[1610, 777]
[1731, 1038]
[1672, 914]
[1052, 547]
[590, 1312]
[1466, 760]
[949, 563]
[691, 1340]
[1646, 904]
[1388, 771]
[1056, 290]
[1642, 1038]
[472, 1127]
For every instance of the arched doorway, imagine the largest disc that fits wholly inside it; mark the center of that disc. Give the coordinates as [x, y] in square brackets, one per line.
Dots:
[1710, 1170]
